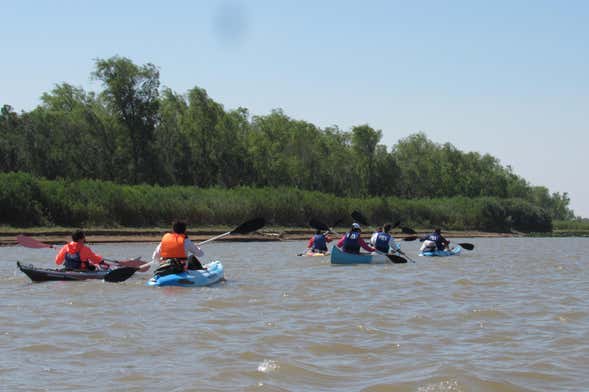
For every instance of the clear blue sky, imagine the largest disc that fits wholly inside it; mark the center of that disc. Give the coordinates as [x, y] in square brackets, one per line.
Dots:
[509, 78]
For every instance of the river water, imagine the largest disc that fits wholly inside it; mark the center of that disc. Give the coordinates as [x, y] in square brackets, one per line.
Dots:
[512, 315]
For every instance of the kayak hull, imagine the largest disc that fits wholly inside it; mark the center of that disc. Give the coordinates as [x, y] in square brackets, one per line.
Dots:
[46, 275]
[340, 257]
[213, 273]
[443, 253]
[316, 254]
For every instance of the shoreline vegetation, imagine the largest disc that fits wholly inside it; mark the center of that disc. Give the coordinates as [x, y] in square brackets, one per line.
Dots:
[137, 155]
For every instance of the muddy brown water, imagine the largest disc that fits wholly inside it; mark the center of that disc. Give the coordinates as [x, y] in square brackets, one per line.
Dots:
[512, 315]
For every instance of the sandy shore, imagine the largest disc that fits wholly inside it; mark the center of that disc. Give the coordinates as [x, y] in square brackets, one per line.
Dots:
[61, 235]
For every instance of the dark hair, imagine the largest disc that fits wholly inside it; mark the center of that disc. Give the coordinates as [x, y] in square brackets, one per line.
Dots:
[438, 230]
[318, 231]
[387, 228]
[78, 235]
[179, 227]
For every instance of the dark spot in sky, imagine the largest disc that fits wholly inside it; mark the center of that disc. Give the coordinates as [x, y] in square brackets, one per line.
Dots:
[230, 23]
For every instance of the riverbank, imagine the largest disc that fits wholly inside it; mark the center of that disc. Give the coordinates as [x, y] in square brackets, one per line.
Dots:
[60, 235]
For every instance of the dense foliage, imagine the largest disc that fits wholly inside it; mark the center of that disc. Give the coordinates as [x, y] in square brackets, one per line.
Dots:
[32, 201]
[134, 132]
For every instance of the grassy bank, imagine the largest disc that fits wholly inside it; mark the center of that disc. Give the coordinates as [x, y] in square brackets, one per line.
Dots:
[29, 201]
[574, 228]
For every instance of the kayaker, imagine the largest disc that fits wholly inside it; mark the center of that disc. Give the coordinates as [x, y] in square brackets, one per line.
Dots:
[172, 252]
[385, 242]
[434, 241]
[318, 243]
[77, 256]
[351, 241]
[375, 236]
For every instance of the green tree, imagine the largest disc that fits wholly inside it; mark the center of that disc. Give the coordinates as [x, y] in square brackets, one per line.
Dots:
[132, 93]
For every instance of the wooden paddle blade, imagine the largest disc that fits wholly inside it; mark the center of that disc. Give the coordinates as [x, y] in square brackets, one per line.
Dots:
[358, 217]
[249, 226]
[29, 242]
[397, 259]
[120, 274]
[411, 238]
[318, 225]
[408, 230]
[467, 246]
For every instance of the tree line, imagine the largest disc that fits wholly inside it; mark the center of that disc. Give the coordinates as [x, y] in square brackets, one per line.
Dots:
[133, 131]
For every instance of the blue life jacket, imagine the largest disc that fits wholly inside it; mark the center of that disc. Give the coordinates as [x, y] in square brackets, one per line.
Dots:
[74, 262]
[382, 242]
[352, 242]
[319, 243]
[437, 238]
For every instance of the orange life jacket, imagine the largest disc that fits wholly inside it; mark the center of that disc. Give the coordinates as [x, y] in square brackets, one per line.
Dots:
[172, 246]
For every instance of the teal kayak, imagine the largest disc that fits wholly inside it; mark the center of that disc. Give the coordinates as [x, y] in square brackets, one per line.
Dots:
[212, 273]
[443, 253]
[340, 257]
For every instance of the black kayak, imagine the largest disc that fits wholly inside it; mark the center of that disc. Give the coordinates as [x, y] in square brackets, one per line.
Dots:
[45, 274]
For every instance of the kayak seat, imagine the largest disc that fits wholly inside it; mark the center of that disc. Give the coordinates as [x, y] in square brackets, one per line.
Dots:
[168, 267]
[194, 263]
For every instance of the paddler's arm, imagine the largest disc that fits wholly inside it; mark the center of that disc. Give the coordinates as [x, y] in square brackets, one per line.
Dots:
[87, 254]
[365, 246]
[156, 253]
[340, 243]
[394, 245]
[61, 255]
[311, 241]
[190, 247]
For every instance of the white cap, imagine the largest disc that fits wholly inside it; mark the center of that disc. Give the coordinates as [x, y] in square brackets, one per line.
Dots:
[355, 225]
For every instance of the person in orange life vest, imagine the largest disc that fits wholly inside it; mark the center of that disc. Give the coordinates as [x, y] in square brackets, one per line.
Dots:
[351, 242]
[318, 243]
[176, 246]
[78, 256]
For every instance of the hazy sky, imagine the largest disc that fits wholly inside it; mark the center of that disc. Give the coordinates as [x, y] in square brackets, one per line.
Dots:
[508, 78]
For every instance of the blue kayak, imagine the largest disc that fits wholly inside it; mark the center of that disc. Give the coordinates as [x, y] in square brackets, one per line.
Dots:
[443, 253]
[213, 273]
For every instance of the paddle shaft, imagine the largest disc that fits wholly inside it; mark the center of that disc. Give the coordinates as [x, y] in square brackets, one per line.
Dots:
[214, 238]
[244, 228]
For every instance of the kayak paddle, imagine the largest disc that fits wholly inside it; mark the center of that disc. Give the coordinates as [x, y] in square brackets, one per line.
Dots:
[358, 217]
[29, 242]
[408, 230]
[397, 259]
[120, 274]
[318, 225]
[244, 228]
[467, 245]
